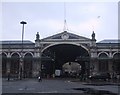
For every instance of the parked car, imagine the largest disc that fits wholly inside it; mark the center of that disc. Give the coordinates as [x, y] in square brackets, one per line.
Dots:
[100, 76]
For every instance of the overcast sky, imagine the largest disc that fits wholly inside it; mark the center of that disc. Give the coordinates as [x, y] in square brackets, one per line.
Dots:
[47, 18]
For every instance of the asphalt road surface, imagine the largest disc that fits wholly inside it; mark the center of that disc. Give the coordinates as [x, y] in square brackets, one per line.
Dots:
[56, 86]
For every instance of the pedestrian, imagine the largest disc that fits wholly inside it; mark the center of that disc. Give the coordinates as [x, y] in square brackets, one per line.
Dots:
[39, 79]
[8, 76]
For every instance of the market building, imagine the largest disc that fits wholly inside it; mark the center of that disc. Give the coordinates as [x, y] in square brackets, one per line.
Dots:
[64, 54]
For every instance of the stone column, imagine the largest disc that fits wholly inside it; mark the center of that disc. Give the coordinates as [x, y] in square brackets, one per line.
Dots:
[96, 69]
[94, 60]
[110, 65]
[94, 66]
[21, 66]
[37, 55]
[36, 67]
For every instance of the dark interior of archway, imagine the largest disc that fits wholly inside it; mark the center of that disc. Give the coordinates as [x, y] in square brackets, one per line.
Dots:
[14, 67]
[62, 53]
[28, 65]
[103, 62]
[116, 61]
[4, 64]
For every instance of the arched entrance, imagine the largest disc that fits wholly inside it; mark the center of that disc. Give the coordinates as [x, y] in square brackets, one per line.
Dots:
[103, 62]
[28, 59]
[4, 64]
[14, 67]
[116, 63]
[71, 69]
[57, 55]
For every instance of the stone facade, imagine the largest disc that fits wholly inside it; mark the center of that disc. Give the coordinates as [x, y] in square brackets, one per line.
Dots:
[102, 56]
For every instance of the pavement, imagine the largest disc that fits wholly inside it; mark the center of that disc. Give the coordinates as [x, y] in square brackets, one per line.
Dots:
[59, 86]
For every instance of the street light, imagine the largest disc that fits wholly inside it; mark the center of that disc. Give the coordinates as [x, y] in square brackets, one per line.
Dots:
[21, 58]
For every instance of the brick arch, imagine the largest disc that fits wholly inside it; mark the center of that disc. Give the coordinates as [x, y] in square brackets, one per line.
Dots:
[116, 53]
[28, 53]
[103, 53]
[65, 43]
[72, 52]
[15, 53]
[3, 53]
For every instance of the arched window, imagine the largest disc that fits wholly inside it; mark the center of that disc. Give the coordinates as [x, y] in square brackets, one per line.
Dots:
[103, 56]
[4, 64]
[14, 68]
[116, 56]
[103, 62]
[116, 62]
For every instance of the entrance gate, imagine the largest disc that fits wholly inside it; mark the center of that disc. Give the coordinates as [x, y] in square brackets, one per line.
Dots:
[57, 55]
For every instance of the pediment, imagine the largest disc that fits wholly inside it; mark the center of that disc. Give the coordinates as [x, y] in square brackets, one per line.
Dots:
[66, 36]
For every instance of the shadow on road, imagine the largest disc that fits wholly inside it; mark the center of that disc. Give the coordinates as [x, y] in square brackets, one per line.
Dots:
[92, 91]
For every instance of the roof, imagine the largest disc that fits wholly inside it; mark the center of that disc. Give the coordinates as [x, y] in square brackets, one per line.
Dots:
[16, 42]
[109, 41]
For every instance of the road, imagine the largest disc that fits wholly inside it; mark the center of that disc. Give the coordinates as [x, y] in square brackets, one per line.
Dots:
[54, 86]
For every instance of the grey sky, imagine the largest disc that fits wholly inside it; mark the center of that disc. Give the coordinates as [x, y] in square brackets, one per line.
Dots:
[47, 18]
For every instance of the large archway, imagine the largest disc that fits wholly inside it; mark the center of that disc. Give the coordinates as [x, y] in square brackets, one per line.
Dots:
[54, 57]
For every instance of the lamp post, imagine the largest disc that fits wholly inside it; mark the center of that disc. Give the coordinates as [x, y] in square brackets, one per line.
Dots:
[21, 58]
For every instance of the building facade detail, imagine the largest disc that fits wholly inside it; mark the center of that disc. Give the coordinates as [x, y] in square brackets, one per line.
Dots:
[47, 55]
